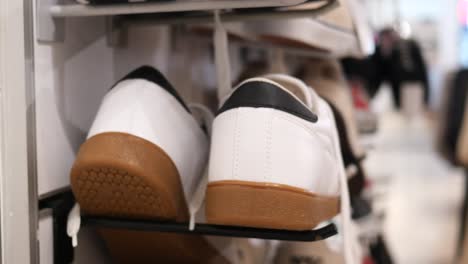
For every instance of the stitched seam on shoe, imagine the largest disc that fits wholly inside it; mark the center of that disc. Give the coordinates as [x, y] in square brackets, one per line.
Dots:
[235, 158]
[133, 121]
[268, 141]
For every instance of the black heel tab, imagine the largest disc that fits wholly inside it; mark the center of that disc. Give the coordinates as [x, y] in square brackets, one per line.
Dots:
[150, 74]
[260, 94]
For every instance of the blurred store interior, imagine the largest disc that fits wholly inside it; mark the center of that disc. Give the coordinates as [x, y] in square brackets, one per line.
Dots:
[420, 192]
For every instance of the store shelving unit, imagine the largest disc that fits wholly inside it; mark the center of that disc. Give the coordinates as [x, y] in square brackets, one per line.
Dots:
[50, 18]
[60, 204]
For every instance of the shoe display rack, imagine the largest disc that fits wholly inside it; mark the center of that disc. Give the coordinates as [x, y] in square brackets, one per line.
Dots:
[60, 205]
[49, 20]
[213, 230]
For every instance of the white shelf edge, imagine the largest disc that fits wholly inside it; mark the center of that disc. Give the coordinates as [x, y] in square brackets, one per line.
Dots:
[52, 13]
[310, 32]
[78, 10]
[254, 15]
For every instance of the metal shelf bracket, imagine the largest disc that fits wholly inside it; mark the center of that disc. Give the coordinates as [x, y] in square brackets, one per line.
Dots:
[212, 230]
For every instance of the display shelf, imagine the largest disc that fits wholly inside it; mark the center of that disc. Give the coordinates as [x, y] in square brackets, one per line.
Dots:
[61, 204]
[66, 199]
[306, 34]
[80, 10]
[243, 39]
[50, 14]
[241, 15]
[212, 230]
[330, 40]
[237, 24]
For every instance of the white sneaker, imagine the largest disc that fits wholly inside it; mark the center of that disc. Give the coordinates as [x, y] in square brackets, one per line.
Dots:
[275, 159]
[143, 159]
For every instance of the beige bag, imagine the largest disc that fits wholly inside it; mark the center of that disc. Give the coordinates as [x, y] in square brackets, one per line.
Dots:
[327, 79]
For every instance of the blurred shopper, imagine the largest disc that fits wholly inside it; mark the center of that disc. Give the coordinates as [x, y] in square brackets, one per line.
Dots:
[396, 60]
[399, 61]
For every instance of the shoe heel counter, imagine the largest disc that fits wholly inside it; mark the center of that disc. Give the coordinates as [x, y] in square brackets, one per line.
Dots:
[118, 109]
[141, 109]
[269, 146]
[236, 140]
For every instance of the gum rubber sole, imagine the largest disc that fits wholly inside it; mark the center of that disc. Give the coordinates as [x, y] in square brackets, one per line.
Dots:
[264, 205]
[121, 175]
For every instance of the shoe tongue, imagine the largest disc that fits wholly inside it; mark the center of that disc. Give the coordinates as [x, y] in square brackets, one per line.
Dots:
[295, 86]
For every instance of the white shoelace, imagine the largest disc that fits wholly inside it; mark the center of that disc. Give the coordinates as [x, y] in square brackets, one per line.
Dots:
[74, 223]
[223, 66]
[198, 196]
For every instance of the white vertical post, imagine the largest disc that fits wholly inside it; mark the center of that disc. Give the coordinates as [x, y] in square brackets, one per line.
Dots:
[16, 235]
[223, 66]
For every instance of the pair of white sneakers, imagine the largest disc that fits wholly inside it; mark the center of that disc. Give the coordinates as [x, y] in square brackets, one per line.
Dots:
[274, 162]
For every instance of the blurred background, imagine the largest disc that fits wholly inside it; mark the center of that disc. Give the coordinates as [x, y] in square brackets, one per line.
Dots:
[420, 182]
